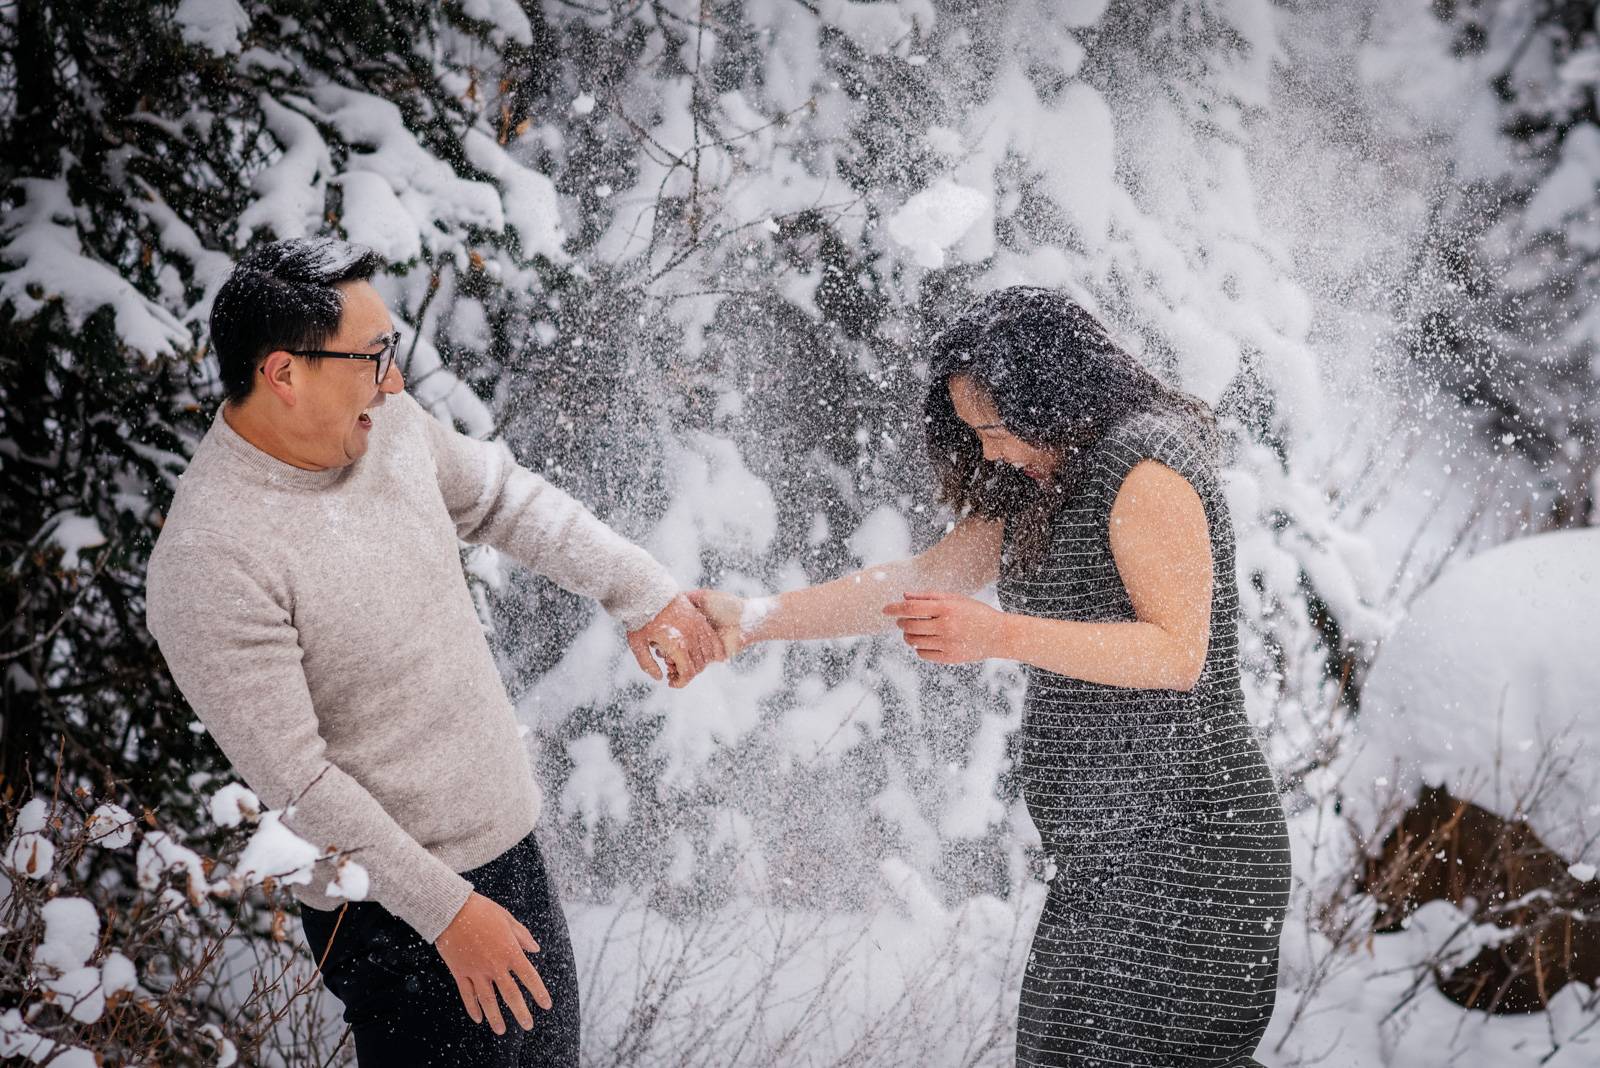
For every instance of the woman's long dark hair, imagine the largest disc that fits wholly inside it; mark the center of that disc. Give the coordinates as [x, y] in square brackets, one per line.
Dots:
[1059, 383]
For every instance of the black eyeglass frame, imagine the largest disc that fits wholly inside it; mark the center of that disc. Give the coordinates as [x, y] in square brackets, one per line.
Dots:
[384, 357]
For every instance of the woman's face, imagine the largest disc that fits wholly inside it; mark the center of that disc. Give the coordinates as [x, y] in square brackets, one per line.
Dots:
[976, 409]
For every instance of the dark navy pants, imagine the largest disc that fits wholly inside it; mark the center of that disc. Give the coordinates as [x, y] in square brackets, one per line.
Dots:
[401, 1002]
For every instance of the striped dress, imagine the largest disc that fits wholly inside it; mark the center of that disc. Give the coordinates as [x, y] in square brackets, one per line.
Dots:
[1158, 944]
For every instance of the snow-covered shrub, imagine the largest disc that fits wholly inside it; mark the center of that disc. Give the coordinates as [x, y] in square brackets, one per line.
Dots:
[190, 963]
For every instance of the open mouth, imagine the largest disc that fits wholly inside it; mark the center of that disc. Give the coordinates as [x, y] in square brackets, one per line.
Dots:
[364, 420]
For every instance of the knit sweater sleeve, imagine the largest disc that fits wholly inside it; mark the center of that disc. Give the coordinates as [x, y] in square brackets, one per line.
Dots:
[494, 501]
[228, 638]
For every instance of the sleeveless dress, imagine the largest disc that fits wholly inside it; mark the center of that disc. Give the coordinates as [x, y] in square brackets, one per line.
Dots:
[1158, 943]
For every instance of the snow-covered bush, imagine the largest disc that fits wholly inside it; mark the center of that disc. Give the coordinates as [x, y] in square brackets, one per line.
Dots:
[190, 962]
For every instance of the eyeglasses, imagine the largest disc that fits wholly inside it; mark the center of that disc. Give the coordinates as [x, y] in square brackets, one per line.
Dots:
[384, 356]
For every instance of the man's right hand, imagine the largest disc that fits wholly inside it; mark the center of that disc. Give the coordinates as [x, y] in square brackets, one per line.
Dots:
[486, 950]
[683, 637]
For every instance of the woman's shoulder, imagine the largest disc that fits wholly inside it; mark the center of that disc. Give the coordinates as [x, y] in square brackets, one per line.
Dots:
[1177, 438]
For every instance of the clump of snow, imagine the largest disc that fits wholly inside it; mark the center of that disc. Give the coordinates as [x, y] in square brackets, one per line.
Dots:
[445, 396]
[74, 533]
[234, 804]
[974, 809]
[1080, 12]
[510, 22]
[882, 537]
[41, 240]
[1069, 143]
[33, 816]
[717, 502]
[276, 852]
[936, 218]
[425, 186]
[469, 324]
[350, 881]
[109, 826]
[372, 216]
[71, 932]
[912, 895]
[17, 1039]
[1488, 687]
[754, 611]
[118, 974]
[582, 104]
[158, 853]
[1582, 872]
[29, 852]
[531, 206]
[290, 191]
[227, 1054]
[79, 993]
[215, 25]
[878, 27]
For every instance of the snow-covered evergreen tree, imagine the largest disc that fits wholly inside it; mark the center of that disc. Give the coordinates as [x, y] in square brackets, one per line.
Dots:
[782, 202]
[1511, 330]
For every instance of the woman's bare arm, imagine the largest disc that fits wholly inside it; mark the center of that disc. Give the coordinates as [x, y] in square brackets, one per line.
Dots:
[965, 560]
[1162, 548]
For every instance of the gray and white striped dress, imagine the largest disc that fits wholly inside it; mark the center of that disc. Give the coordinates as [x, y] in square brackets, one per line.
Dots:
[1158, 944]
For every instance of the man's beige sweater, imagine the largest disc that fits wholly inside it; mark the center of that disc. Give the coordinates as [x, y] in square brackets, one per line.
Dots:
[320, 624]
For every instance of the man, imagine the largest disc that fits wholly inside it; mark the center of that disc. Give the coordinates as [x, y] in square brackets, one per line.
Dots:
[308, 595]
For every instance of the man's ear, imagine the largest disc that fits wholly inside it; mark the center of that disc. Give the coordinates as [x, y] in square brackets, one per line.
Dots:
[281, 375]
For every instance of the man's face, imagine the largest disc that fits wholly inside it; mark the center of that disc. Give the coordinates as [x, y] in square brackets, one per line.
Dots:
[327, 423]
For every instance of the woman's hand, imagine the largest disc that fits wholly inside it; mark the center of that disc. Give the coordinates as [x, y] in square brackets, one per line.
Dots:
[726, 614]
[949, 628]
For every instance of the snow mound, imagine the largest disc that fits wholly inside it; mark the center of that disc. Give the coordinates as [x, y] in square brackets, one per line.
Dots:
[1488, 688]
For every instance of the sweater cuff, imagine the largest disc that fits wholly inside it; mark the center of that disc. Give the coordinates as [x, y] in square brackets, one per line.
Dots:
[640, 604]
[434, 902]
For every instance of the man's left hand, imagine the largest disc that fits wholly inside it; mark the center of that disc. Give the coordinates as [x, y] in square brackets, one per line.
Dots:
[684, 638]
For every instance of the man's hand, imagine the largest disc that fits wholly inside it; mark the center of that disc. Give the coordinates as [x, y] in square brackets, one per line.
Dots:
[948, 628]
[485, 947]
[683, 637]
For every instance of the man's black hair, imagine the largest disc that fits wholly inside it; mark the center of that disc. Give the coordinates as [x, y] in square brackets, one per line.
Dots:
[281, 296]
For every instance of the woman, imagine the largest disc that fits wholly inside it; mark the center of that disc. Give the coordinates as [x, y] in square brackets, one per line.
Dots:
[1089, 491]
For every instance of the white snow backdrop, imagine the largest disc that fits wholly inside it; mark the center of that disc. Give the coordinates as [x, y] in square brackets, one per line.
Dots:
[689, 287]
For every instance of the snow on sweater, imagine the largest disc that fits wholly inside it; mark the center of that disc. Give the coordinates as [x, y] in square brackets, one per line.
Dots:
[320, 625]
